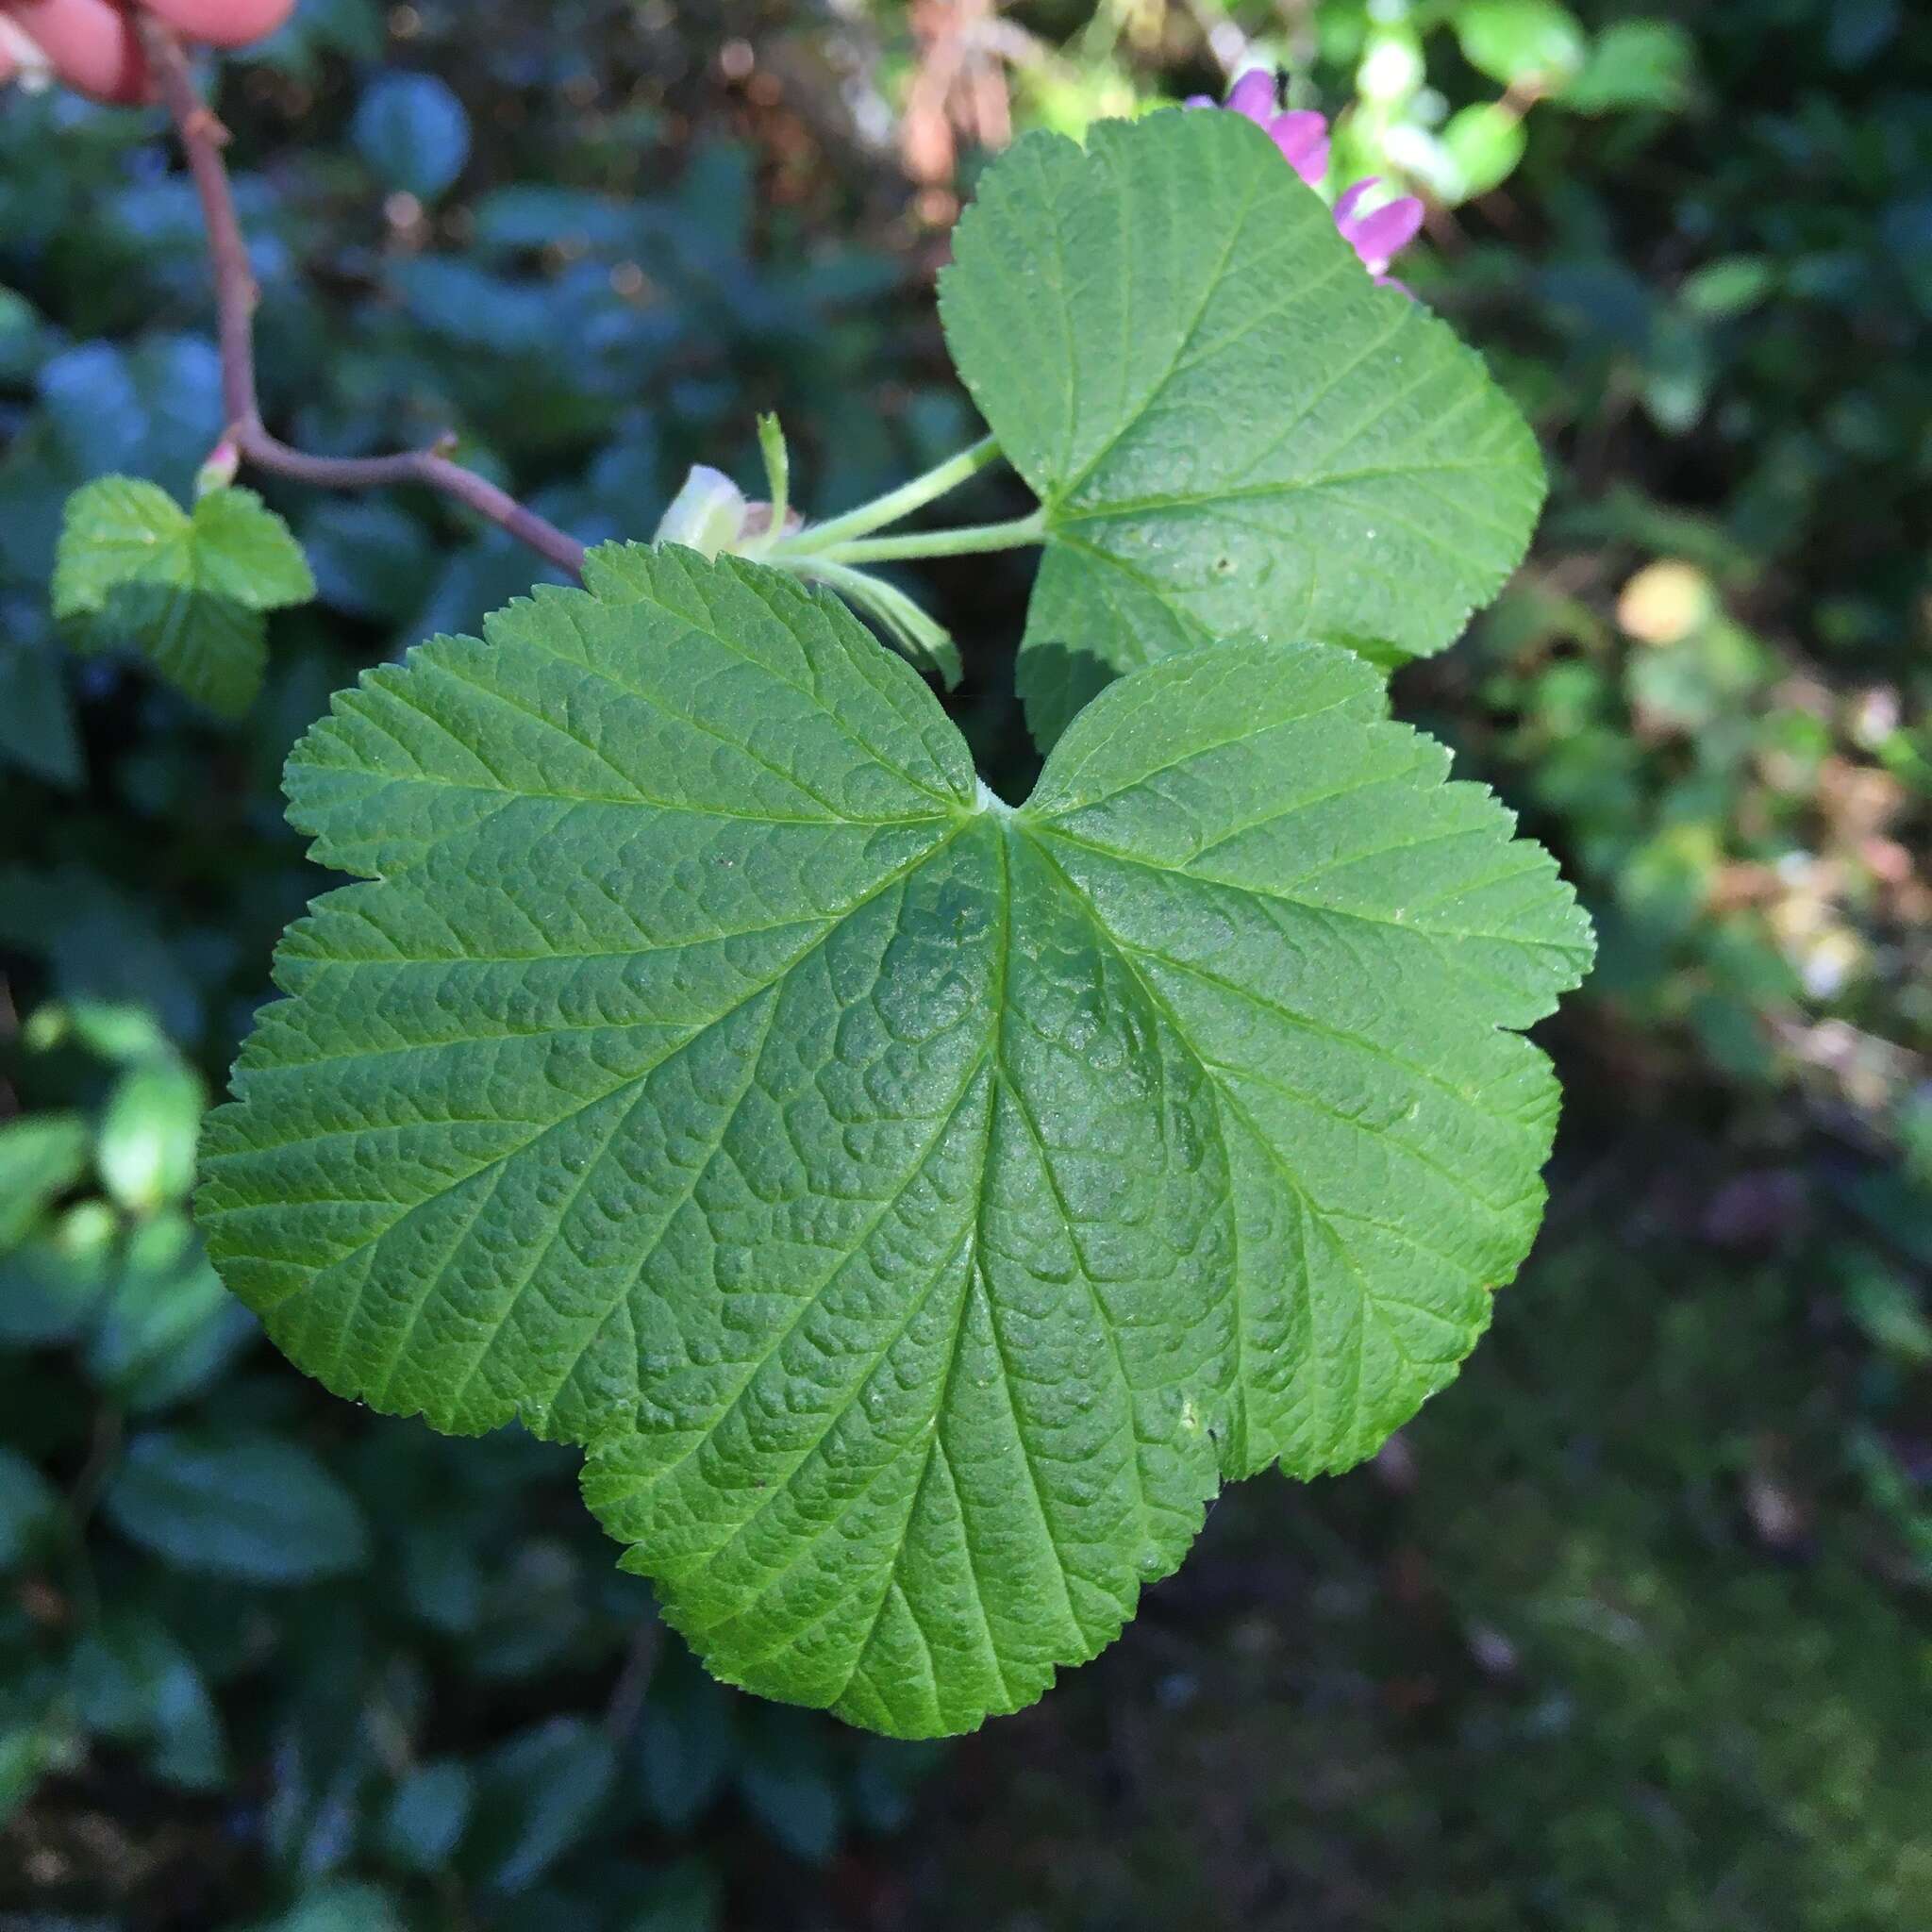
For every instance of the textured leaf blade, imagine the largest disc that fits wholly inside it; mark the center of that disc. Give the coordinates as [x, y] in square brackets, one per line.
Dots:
[906, 1200]
[1230, 427]
[1339, 939]
[134, 571]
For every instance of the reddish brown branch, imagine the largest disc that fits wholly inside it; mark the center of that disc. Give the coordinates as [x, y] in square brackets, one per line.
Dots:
[203, 138]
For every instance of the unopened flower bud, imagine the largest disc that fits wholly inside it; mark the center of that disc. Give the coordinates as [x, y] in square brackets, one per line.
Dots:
[708, 515]
[223, 460]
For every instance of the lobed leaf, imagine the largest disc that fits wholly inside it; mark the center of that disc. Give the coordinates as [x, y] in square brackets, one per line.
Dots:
[915, 1206]
[1230, 427]
[186, 590]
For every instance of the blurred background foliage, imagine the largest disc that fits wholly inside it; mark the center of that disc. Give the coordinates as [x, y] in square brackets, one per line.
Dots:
[1631, 1629]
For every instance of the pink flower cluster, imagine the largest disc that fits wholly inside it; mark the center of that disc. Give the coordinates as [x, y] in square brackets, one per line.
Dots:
[1380, 235]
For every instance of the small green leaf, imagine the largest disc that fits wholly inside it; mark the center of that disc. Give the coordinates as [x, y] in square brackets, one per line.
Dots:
[684, 1897]
[130, 1680]
[341, 1907]
[41, 1155]
[37, 731]
[1522, 43]
[29, 1509]
[146, 1150]
[1230, 426]
[916, 1205]
[413, 132]
[539, 1795]
[136, 572]
[685, 1744]
[1633, 64]
[426, 1817]
[166, 1327]
[245, 552]
[249, 1507]
[1483, 146]
[51, 1285]
[1732, 286]
[788, 1784]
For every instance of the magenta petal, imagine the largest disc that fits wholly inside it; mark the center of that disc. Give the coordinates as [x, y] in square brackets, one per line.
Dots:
[1382, 236]
[1350, 200]
[1253, 95]
[1303, 139]
[1200, 101]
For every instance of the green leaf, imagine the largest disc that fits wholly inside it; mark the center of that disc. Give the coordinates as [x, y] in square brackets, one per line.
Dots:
[1230, 426]
[916, 1205]
[537, 1796]
[685, 1744]
[166, 1327]
[249, 1507]
[1483, 146]
[135, 570]
[426, 1817]
[684, 1897]
[1732, 286]
[1635, 64]
[413, 132]
[341, 1907]
[29, 1509]
[1522, 43]
[130, 1680]
[37, 731]
[41, 1157]
[52, 1284]
[789, 1786]
[148, 1133]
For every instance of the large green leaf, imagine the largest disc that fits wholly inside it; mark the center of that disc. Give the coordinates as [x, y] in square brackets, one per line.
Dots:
[915, 1205]
[185, 588]
[1232, 428]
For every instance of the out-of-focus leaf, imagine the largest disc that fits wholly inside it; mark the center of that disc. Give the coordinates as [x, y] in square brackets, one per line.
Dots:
[27, 1752]
[1891, 1313]
[1862, 29]
[29, 1505]
[342, 1908]
[23, 337]
[413, 133]
[371, 557]
[788, 1784]
[537, 1796]
[427, 1814]
[130, 1680]
[152, 412]
[38, 730]
[146, 1150]
[536, 215]
[1522, 43]
[167, 1326]
[686, 1898]
[320, 27]
[41, 1155]
[51, 1283]
[1634, 63]
[1484, 146]
[1733, 286]
[251, 1508]
[685, 1746]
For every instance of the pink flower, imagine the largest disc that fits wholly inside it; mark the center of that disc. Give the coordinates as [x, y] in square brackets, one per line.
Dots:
[1379, 236]
[1300, 136]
